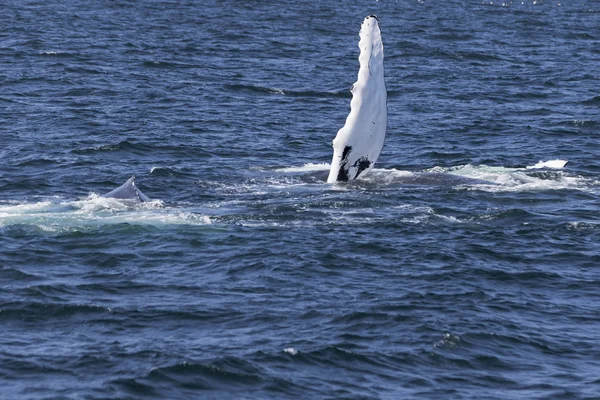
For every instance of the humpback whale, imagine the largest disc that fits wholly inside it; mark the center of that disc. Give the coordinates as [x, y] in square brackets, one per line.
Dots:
[127, 191]
[358, 143]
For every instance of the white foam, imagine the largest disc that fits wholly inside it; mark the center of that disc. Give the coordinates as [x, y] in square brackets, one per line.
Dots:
[306, 168]
[500, 178]
[553, 164]
[290, 350]
[505, 179]
[95, 211]
[387, 174]
[583, 225]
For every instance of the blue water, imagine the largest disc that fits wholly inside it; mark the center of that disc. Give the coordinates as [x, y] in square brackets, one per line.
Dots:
[247, 276]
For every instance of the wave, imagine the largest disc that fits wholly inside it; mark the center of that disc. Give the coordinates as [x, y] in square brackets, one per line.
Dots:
[124, 145]
[594, 101]
[170, 172]
[10, 275]
[38, 311]
[58, 54]
[287, 92]
[142, 149]
[227, 375]
[165, 65]
[38, 162]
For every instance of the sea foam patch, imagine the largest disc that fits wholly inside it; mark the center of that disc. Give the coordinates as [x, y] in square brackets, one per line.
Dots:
[553, 164]
[95, 211]
[306, 168]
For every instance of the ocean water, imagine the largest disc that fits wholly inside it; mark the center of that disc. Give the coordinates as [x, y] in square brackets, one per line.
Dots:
[249, 277]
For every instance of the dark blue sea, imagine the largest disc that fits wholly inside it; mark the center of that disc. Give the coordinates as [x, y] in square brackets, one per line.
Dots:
[249, 277]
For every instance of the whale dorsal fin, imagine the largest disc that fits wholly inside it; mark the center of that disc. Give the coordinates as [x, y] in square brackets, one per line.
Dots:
[128, 191]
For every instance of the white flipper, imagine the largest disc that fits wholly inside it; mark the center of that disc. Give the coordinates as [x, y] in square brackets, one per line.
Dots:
[358, 144]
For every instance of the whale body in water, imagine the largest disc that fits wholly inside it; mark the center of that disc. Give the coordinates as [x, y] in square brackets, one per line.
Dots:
[128, 191]
[358, 143]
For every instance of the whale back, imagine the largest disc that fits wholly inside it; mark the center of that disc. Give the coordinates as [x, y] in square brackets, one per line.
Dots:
[358, 143]
[128, 191]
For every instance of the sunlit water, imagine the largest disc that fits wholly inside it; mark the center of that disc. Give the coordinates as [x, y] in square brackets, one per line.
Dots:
[247, 276]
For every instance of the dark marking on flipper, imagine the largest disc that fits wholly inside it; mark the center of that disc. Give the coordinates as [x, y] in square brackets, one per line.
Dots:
[343, 172]
[362, 164]
[346, 153]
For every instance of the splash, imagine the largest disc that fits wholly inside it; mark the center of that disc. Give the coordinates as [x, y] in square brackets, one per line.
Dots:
[544, 175]
[95, 211]
[553, 164]
[310, 167]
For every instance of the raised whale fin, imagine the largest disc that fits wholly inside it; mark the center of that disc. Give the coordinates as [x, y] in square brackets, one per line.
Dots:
[128, 191]
[358, 144]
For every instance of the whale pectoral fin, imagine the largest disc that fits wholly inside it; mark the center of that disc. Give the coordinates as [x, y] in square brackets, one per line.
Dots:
[358, 143]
